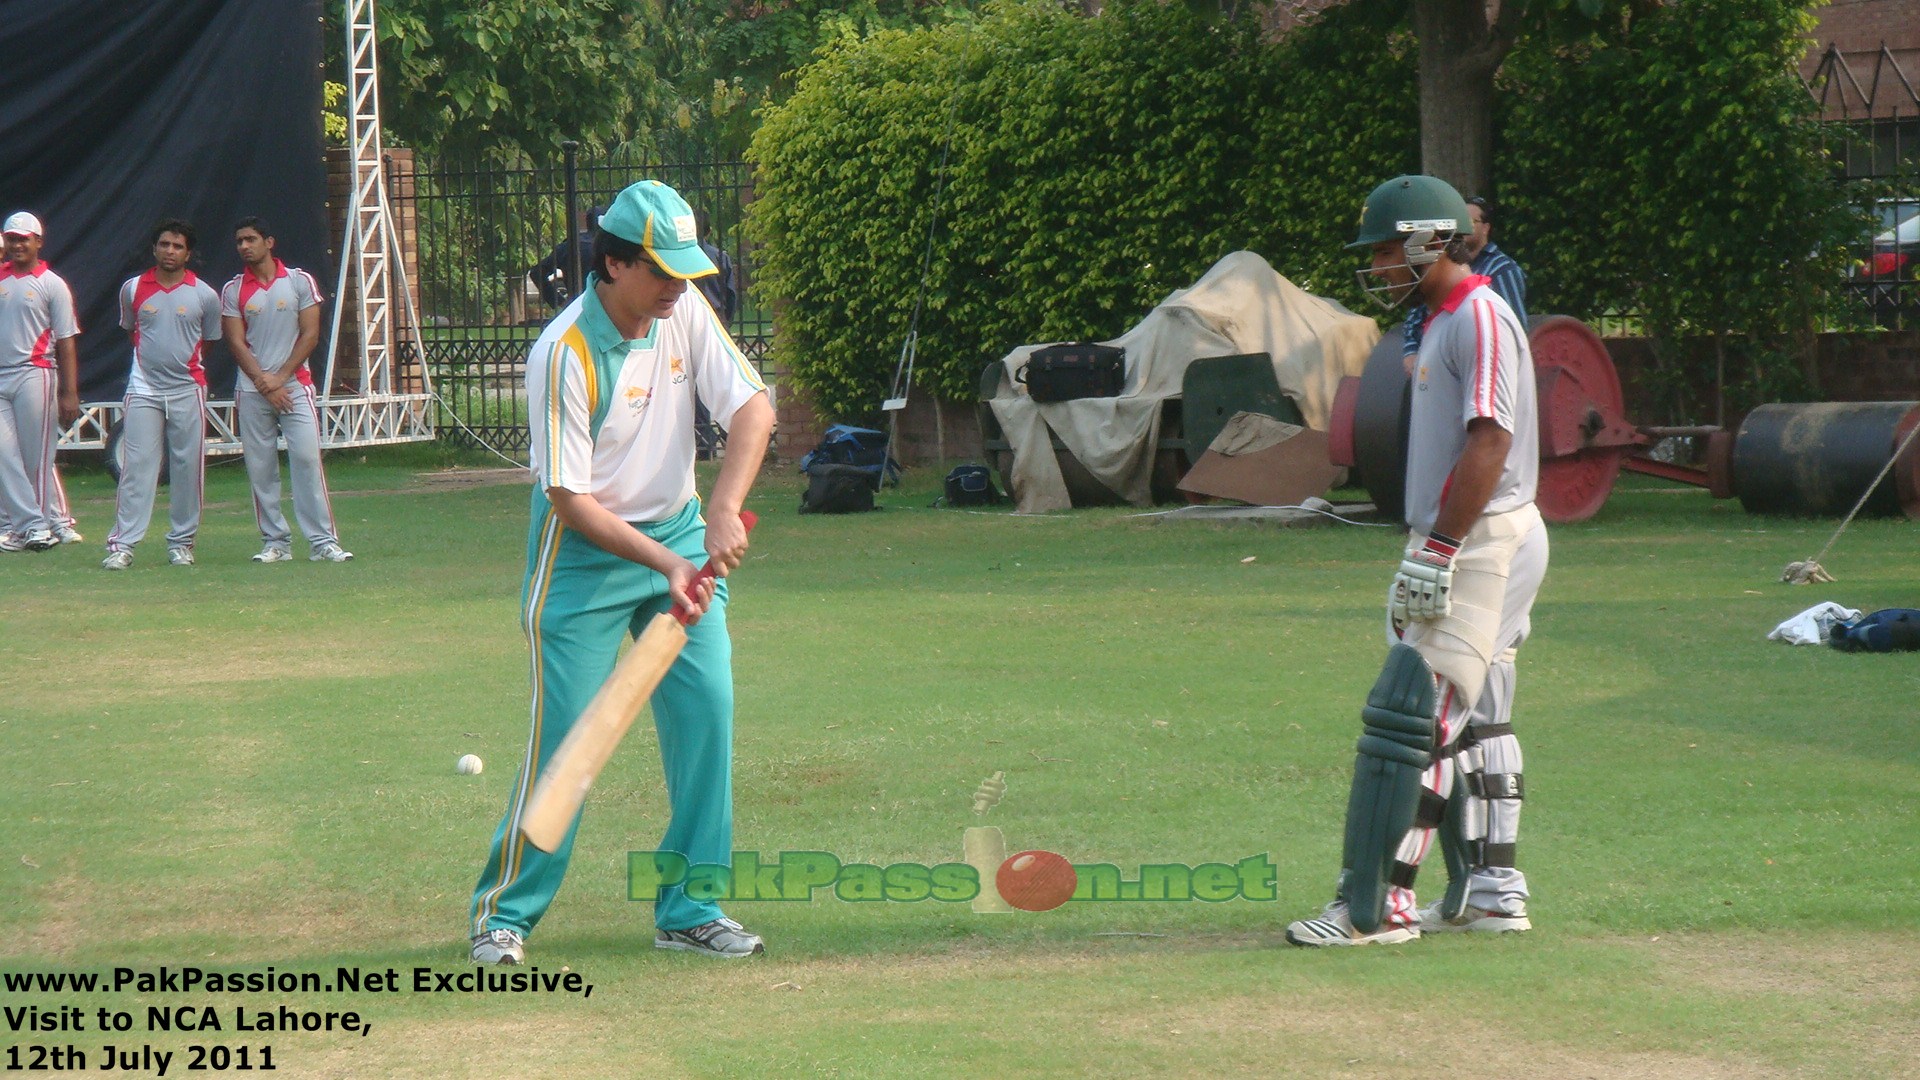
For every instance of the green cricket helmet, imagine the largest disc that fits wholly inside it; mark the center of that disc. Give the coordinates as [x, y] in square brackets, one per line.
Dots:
[1424, 212]
[1406, 205]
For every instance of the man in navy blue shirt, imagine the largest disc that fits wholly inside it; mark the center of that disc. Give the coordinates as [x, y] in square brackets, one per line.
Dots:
[1488, 261]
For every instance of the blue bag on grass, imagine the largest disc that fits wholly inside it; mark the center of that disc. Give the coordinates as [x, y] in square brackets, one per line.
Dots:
[862, 448]
[1887, 630]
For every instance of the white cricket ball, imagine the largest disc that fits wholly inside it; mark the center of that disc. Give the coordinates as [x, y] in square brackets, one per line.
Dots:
[469, 765]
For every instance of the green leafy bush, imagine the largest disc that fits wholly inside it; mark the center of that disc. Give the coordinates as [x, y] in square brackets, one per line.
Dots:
[1667, 166]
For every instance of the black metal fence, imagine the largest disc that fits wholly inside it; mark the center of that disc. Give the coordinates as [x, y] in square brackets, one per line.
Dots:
[480, 231]
[1873, 136]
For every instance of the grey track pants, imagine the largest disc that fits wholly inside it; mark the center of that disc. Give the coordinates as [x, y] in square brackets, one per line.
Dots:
[173, 425]
[260, 429]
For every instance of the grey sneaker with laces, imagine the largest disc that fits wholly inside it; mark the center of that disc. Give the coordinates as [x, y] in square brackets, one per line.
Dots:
[722, 937]
[499, 947]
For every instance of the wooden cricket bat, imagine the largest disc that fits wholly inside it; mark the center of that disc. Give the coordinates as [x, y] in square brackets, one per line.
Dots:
[563, 784]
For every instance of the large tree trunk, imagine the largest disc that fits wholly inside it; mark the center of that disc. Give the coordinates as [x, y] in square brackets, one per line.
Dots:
[1462, 43]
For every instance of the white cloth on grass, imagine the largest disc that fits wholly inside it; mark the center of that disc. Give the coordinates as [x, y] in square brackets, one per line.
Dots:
[1812, 626]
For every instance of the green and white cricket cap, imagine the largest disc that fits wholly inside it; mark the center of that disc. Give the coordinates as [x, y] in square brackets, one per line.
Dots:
[21, 223]
[654, 216]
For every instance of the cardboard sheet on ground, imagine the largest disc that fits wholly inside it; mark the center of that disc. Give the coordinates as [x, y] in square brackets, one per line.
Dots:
[1266, 462]
[1241, 305]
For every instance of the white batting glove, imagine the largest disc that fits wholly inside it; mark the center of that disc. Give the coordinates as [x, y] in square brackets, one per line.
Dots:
[1422, 589]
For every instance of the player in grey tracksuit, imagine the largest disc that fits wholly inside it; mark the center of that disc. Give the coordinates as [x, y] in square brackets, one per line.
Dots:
[271, 313]
[39, 390]
[170, 314]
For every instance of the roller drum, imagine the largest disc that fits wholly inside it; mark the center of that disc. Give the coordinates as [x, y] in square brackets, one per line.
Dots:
[1814, 460]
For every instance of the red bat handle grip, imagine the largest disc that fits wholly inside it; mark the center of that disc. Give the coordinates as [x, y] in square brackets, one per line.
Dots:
[747, 518]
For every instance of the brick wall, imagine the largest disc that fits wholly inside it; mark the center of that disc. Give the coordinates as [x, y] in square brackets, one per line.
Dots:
[1867, 366]
[1859, 28]
[920, 440]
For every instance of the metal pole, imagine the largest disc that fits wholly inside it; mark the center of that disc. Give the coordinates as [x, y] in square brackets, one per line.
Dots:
[576, 281]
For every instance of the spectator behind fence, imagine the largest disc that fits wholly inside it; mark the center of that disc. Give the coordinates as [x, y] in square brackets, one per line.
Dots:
[720, 289]
[550, 274]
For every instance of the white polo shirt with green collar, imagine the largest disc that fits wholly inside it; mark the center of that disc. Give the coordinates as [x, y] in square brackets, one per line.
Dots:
[613, 418]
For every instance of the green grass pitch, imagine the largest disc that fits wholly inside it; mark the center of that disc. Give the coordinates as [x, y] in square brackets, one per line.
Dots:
[235, 767]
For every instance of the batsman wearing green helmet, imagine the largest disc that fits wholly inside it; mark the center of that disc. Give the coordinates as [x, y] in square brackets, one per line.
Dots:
[1437, 747]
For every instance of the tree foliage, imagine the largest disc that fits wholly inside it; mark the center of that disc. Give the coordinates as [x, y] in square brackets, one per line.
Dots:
[511, 79]
[1672, 168]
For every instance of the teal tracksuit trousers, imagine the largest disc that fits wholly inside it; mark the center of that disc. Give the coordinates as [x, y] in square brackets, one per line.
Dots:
[579, 603]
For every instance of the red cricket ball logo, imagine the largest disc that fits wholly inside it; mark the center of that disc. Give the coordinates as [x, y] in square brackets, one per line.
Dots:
[1036, 880]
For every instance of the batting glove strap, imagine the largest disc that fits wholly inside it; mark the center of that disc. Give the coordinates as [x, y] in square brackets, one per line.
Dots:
[1441, 548]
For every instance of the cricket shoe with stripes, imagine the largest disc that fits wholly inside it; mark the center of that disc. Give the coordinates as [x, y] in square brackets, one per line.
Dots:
[67, 534]
[37, 540]
[330, 553]
[499, 947]
[117, 559]
[273, 553]
[1473, 920]
[180, 556]
[722, 937]
[1335, 927]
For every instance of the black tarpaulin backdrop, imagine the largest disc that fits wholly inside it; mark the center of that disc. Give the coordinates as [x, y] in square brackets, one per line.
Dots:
[118, 114]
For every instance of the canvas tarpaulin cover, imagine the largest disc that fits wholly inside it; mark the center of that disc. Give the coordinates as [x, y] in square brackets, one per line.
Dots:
[1241, 305]
[116, 115]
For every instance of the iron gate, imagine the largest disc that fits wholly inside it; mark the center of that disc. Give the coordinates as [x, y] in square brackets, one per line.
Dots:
[478, 230]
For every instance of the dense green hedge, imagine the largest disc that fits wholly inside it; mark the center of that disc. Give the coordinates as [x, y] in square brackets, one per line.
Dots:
[1097, 164]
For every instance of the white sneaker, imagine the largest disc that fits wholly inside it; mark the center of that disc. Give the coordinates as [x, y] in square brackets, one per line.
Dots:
[499, 947]
[13, 541]
[271, 553]
[67, 534]
[180, 556]
[1335, 927]
[117, 559]
[40, 540]
[330, 553]
[1472, 920]
[722, 937]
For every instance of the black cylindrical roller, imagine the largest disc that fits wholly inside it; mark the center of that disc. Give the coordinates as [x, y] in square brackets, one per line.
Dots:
[1814, 460]
[1380, 427]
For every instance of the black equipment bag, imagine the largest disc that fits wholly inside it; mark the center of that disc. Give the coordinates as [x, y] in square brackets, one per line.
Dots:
[838, 489]
[972, 485]
[1075, 370]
